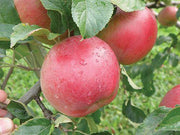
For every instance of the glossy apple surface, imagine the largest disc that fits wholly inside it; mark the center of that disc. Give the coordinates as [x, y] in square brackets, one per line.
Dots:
[172, 97]
[32, 12]
[80, 76]
[167, 16]
[131, 34]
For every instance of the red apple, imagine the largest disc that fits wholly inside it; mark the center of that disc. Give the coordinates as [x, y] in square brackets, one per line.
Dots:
[32, 12]
[131, 34]
[172, 97]
[80, 76]
[3, 97]
[6, 126]
[167, 16]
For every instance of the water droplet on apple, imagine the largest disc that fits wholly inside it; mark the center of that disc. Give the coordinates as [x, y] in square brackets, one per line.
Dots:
[56, 96]
[83, 62]
[97, 60]
[89, 102]
[89, 93]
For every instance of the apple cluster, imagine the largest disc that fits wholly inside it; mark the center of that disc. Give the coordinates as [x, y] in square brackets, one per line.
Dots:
[78, 75]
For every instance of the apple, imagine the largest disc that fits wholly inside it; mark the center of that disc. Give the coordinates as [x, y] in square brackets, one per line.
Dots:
[3, 97]
[80, 76]
[6, 126]
[32, 12]
[130, 34]
[167, 16]
[172, 97]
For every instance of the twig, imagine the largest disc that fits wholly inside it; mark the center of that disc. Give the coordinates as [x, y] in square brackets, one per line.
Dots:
[47, 113]
[9, 73]
[27, 68]
[161, 4]
[3, 106]
[29, 96]
[7, 78]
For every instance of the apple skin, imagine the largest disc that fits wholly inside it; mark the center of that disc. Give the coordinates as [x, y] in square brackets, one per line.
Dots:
[131, 35]
[167, 16]
[172, 97]
[32, 12]
[3, 97]
[80, 76]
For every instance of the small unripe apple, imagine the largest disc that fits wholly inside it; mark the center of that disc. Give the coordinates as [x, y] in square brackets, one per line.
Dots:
[32, 12]
[172, 97]
[80, 76]
[167, 16]
[131, 34]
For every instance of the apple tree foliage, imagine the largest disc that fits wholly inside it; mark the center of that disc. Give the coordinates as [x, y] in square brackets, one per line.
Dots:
[85, 17]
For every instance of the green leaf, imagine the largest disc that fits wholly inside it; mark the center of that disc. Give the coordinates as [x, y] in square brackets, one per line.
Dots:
[178, 13]
[8, 12]
[147, 80]
[23, 31]
[1, 73]
[172, 121]
[62, 119]
[91, 16]
[129, 5]
[59, 12]
[152, 121]
[36, 126]
[19, 110]
[159, 59]
[133, 113]
[2, 53]
[56, 132]
[174, 59]
[92, 125]
[83, 127]
[133, 85]
[102, 133]
[4, 44]
[166, 133]
[161, 39]
[5, 31]
[96, 116]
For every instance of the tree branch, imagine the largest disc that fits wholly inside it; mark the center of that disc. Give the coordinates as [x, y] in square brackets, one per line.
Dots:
[3, 106]
[7, 78]
[34, 93]
[9, 73]
[47, 113]
[31, 94]
[161, 4]
[28, 97]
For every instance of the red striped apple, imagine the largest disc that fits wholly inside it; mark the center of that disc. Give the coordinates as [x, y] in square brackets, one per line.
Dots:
[167, 16]
[80, 76]
[32, 12]
[172, 97]
[131, 34]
